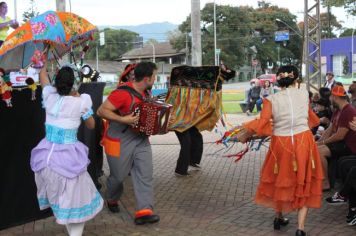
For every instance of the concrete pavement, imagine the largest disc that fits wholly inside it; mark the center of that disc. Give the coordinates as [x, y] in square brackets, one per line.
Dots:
[218, 200]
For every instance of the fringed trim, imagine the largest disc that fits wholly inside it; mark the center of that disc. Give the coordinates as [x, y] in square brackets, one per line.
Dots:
[312, 160]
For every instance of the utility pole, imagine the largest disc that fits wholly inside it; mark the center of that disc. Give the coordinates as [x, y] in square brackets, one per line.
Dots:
[196, 33]
[15, 9]
[60, 5]
[186, 49]
[153, 52]
[215, 56]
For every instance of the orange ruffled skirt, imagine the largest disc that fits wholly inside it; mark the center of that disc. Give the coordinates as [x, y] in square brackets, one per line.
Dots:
[291, 178]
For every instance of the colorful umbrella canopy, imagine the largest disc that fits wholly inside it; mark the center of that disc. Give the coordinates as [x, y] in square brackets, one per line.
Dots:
[62, 30]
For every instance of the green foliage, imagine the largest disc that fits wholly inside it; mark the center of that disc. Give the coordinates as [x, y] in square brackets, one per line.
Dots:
[349, 5]
[242, 76]
[240, 28]
[345, 66]
[328, 24]
[178, 39]
[347, 32]
[117, 42]
[31, 11]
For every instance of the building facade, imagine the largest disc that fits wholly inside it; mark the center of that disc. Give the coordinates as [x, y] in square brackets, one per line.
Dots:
[333, 53]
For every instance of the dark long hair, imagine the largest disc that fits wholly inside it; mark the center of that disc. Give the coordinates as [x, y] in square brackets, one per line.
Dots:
[64, 81]
[285, 82]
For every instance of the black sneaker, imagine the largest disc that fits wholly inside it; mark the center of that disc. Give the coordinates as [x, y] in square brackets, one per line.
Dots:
[181, 174]
[113, 207]
[351, 217]
[149, 219]
[194, 167]
[337, 199]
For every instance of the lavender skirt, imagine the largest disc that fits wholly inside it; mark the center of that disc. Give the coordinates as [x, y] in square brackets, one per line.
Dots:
[63, 182]
[68, 160]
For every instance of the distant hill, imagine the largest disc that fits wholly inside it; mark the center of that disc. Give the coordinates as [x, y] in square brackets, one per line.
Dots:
[157, 31]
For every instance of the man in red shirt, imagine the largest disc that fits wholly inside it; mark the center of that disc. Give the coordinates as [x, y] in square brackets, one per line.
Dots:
[338, 140]
[128, 151]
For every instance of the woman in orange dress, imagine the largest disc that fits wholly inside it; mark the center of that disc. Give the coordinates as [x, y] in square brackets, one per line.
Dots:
[291, 176]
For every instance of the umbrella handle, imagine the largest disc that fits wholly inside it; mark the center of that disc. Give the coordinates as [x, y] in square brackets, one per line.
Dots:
[46, 48]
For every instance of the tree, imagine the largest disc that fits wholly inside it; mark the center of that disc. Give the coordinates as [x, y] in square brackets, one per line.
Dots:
[265, 23]
[117, 42]
[238, 29]
[154, 41]
[349, 5]
[347, 32]
[31, 11]
[345, 66]
[328, 24]
[179, 40]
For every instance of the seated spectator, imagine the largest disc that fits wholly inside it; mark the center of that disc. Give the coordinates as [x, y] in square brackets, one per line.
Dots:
[266, 90]
[348, 191]
[252, 97]
[352, 92]
[338, 140]
[330, 81]
[324, 93]
[323, 111]
[313, 99]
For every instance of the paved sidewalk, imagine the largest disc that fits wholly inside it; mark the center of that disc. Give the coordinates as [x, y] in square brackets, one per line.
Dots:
[218, 200]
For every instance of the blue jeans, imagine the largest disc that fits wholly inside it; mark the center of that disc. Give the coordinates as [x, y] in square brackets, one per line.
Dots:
[259, 104]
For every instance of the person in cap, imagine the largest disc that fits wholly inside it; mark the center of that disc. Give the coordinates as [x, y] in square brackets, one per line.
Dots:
[292, 175]
[338, 140]
[330, 81]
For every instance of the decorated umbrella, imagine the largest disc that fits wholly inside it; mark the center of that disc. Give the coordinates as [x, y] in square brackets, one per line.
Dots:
[61, 30]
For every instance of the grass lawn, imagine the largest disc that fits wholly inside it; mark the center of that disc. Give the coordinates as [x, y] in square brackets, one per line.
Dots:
[231, 107]
[231, 102]
[233, 97]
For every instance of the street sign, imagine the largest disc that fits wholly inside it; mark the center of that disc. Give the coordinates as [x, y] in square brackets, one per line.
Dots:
[281, 36]
[218, 51]
[102, 38]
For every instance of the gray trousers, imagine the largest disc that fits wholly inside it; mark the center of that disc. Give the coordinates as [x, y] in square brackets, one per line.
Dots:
[136, 159]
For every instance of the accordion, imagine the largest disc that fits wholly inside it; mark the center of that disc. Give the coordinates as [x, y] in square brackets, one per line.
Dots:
[153, 117]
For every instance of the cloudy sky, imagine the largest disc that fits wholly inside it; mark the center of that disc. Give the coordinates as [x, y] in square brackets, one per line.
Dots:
[133, 12]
